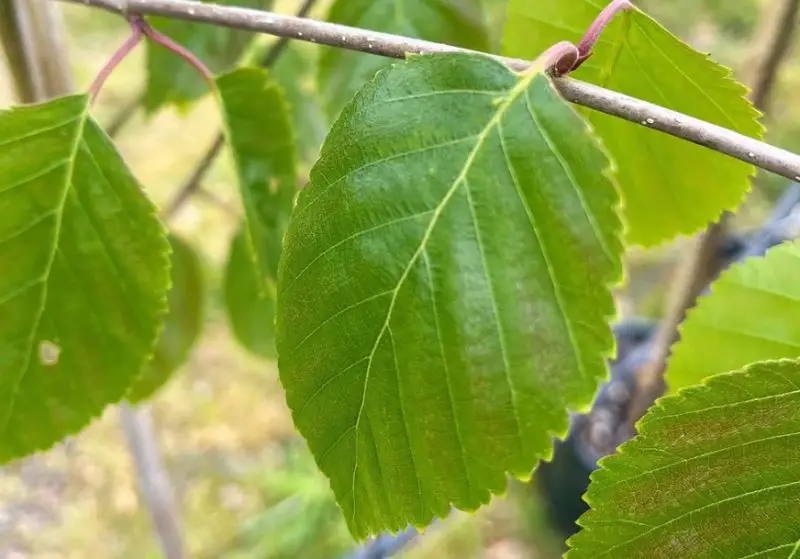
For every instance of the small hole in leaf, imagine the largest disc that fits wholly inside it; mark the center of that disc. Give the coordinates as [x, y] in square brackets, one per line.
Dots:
[49, 353]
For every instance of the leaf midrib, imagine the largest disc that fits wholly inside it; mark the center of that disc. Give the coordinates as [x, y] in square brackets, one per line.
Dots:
[481, 138]
[44, 279]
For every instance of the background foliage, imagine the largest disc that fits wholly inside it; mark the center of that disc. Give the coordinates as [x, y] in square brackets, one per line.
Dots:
[223, 423]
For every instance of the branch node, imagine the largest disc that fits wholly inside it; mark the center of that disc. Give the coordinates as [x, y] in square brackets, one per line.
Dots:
[559, 59]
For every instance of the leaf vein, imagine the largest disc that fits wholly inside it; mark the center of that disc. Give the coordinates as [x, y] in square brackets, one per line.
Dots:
[451, 397]
[350, 238]
[679, 460]
[696, 510]
[405, 424]
[570, 174]
[11, 295]
[324, 187]
[37, 175]
[335, 316]
[27, 227]
[516, 92]
[496, 313]
[40, 131]
[550, 270]
[327, 383]
[688, 78]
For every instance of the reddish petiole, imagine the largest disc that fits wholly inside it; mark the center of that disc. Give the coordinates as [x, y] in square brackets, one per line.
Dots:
[140, 29]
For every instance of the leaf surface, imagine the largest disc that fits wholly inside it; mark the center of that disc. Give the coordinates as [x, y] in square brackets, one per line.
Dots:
[443, 291]
[170, 79]
[85, 274]
[714, 472]
[259, 133]
[343, 72]
[752, 314]
[669, 186]
[184, 322]
[250, 310]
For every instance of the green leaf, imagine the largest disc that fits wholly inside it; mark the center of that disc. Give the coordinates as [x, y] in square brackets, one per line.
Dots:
[259, 133]
[443, 293]
[261, 139]
[184, 323]
[295, 72]
[714, 472]
[343, 72]
[85, 274]
[669, 186]
[170, 79]
[752, 314]
[251, 310]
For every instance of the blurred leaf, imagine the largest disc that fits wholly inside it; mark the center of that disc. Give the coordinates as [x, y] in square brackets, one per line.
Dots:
[714, 472]
[170, 79]
[85, 274]
[295, 72]
[251, 311]
[261, 139]
[342, 72]
[186, 300]
[752, 314]
[259, 133]
[495, 11]
[443, 294]
[669, 186]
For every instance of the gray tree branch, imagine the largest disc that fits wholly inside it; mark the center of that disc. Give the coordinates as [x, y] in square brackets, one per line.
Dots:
[703, 133]
[155, 486]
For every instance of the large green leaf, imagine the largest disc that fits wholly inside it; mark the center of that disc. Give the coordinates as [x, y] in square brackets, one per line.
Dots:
[250, 309]
[343, 72]
[714, 472]
[443, 295]
[669, 186]
[259, 132]
[84, 275]
[184, 322]
[752, 314]
[295, 72]
[170, 79]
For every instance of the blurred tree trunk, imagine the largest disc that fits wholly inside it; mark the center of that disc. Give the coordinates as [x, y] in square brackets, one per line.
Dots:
[15, 31]
[33, 39]
[769, 48]
[154, 483]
